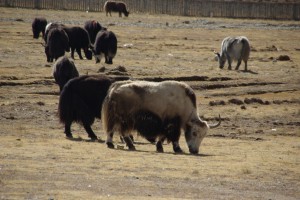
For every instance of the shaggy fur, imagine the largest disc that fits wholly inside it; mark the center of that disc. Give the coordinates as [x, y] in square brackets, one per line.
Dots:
[38, 26]
[81, 101]
[116, 6]
[234, 48]
[63, 70]
[93, 27]
[105, 45]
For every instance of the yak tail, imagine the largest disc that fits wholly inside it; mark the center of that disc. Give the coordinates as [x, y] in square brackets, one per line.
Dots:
[246, 49]
[71, 107]
[106, 115]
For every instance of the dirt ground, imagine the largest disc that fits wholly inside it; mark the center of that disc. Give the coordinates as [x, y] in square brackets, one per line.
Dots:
[254, 154]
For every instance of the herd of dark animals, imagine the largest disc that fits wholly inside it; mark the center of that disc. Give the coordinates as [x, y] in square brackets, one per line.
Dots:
[81, 97]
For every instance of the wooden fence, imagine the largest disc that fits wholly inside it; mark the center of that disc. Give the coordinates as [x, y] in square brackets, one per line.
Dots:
[202, 8]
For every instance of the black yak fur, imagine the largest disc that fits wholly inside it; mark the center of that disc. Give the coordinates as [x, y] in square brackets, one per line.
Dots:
[151, 127]
[81, 101]
[105, 44]
[57, 44]
[79, 39]
[64, 69]
[116, 6]
[93, 27]
[38, 26]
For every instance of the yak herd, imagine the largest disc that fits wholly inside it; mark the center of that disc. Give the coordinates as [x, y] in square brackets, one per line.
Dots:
[158, 111]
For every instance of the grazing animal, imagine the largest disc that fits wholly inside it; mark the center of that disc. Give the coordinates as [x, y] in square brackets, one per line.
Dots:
[64, 69]
[171, 105]
[234, 48]
[93, 27]
[57, 44]
[81, 101]
[38, 26]
[78, 39]
[116, 6]
[105, 45]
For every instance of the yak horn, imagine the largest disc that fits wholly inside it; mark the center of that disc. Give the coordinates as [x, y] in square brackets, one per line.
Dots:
[217, 124]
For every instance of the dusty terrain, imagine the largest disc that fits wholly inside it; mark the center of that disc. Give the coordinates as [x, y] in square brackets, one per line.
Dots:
[254, 154]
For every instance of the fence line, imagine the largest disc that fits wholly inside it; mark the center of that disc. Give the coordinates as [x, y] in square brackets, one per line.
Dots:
[201, 8]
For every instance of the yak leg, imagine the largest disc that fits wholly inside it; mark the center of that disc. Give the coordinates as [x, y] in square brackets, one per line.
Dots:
[229, 62]
[129, 143]
[109, 140]
[90, 132]
[72, 52]
[120, 14]
[238, 64]
[176, 147]
[245, 65]
[78, 50]
[159, 145]
[68, 129]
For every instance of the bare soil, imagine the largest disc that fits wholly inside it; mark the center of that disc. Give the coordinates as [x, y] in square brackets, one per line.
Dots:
[255, 154]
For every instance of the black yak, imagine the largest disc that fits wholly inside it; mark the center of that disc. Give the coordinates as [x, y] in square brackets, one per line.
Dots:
[93, 27]
[116, 6]
[105, 45]
[38, 26]
[81, 101]
[57, 44]
[174, 103]
[64, 69]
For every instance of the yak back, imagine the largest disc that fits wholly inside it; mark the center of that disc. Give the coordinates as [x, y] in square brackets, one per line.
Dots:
[93, 27]
[166, 99]
[106, 42]
[78, 36]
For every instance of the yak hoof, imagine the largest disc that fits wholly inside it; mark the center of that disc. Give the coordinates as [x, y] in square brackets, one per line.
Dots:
[69, 136]
[159, 149]
[110, 145]
[178, 150]
[132, 148]
[93, 137]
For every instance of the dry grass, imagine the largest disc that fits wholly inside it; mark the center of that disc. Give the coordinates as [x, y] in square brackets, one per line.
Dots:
[253, 155]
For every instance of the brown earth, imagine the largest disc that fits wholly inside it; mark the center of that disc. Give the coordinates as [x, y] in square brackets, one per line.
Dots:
[255, 154]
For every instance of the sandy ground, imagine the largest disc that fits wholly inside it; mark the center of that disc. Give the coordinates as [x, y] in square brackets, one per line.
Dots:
[254, 154]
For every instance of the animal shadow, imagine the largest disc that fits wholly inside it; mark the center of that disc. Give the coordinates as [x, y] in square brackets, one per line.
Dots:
[80, 139]
[248, 71]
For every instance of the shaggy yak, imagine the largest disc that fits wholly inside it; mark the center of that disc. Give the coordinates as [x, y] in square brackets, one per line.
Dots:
[234, 48]
[57, 44]
[63, 70]
[105, 45]
[116, 6]
[38, 26]
[93, 27]
[78, 39]
[171, 106]
[81, 101]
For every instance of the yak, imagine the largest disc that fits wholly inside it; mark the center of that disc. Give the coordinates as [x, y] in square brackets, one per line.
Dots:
[81, 101]
[234, 48]
[116, 6]
[174, 103]
[64, 69]
[57, 44]
[93, 27]
[105, 45]
[38, 26]
[78, 39]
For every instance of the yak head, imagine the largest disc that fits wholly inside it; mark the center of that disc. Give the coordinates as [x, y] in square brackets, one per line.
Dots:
[221, 59]
[195, 131]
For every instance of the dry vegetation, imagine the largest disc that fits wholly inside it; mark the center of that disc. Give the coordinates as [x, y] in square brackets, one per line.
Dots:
[253, 155]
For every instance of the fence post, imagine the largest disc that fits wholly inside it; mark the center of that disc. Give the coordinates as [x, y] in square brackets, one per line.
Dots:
[36, 4]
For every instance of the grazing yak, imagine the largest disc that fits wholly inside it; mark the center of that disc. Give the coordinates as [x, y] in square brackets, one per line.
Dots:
[105, 45]
[234, 48]
[38, 26]
[78, 39]
[56, 45]
[93, 27]
[116, 6]
[63, 70]
[171, 106]
[81, 101]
